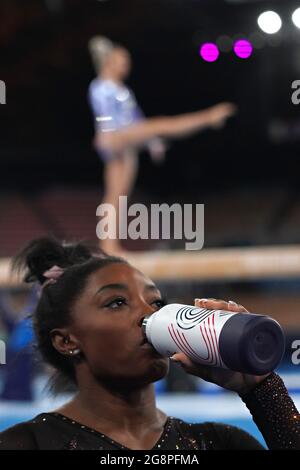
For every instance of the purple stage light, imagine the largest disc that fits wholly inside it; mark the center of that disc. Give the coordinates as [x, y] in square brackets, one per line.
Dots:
[209, 52]
[243, 48]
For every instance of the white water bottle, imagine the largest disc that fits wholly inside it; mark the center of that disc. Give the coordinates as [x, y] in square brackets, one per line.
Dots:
[244, 342]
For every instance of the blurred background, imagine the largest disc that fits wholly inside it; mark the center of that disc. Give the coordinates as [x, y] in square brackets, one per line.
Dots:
[186, 56]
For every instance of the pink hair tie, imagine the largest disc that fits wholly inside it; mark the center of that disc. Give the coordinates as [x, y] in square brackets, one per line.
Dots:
[52, 275]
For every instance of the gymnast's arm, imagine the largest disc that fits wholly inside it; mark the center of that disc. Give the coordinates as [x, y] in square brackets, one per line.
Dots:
[274, 413]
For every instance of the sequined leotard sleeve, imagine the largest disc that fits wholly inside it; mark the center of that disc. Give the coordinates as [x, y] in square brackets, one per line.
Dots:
[274, 413]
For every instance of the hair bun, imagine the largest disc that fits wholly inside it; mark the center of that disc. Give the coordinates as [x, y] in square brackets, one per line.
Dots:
[42, 253]
[100, 47]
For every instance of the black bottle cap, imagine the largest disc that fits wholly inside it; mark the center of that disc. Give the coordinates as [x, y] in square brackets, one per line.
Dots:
[252, 344]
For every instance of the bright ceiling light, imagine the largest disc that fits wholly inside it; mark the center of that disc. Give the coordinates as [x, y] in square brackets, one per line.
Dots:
[270, 22]
[296, 17]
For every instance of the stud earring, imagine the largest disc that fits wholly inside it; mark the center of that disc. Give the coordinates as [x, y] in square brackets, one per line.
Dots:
[74, 352]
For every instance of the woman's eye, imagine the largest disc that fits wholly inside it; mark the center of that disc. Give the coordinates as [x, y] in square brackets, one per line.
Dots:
[160, 303]
[116, 303]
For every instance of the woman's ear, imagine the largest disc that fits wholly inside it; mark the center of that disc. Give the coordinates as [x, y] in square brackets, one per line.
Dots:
[64, 342]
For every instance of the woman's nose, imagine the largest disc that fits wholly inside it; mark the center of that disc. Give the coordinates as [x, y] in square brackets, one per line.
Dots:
[145, 312]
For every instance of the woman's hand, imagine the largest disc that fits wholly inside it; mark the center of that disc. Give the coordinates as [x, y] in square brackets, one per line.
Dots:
[235, 381]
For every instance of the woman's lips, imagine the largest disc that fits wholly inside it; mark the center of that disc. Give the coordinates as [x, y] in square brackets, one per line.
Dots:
[148, 347]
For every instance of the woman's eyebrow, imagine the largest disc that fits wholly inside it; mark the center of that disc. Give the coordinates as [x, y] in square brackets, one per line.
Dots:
[151, 287]
[112, 286]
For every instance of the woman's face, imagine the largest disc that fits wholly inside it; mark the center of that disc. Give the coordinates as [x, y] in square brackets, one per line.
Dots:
[107, 326]
[120, 62]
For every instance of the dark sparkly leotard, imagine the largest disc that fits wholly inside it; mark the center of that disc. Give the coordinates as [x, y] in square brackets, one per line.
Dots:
[269, 403]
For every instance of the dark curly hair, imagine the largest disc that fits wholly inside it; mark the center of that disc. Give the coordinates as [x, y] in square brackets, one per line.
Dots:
[56, 300]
